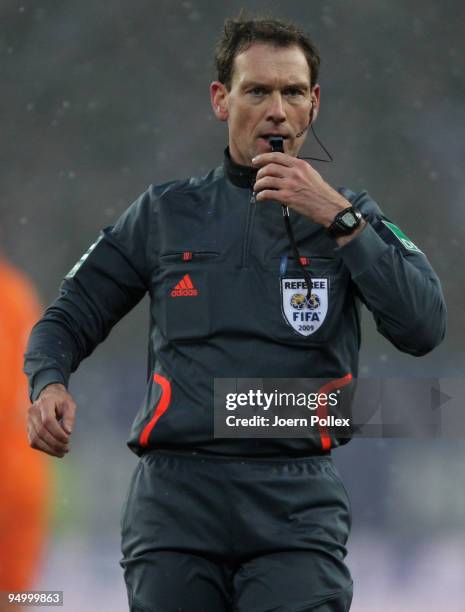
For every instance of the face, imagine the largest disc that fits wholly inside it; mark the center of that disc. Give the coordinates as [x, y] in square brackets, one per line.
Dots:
[270, 95]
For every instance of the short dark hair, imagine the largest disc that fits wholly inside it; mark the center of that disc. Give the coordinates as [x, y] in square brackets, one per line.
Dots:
[240, 33]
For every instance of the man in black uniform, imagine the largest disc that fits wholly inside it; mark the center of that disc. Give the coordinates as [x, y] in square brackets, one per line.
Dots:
[250, 525]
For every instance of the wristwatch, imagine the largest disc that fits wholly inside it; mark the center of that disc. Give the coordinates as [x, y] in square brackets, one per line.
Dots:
[345, 222]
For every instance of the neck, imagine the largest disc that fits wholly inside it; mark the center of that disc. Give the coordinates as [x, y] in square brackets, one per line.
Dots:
[237, 157]
[238, 174]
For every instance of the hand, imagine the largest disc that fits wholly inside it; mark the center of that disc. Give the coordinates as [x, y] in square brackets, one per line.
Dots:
[294, 183]
[45, 431]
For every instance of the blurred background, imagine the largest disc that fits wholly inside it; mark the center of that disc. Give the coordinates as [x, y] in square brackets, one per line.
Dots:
[101, 99]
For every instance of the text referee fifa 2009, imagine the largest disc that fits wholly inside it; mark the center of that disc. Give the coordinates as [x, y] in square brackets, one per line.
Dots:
[244, 525]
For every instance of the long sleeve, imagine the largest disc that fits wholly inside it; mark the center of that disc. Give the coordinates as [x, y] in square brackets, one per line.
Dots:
[107, 282]
[395, 281]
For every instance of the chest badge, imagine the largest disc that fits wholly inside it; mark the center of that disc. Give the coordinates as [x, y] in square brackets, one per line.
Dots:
[304, 315]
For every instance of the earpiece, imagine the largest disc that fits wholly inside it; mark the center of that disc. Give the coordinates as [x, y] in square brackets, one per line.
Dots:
[310, 120]
[312, 109]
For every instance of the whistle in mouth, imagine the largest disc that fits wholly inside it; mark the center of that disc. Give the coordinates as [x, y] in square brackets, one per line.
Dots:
[277, 144]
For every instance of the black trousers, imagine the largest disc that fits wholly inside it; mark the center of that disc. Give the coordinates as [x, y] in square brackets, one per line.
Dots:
[223, 534]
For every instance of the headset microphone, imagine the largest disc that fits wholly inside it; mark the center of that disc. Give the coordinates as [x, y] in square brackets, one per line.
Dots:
[277, 144]
[299, 134]
[310, 125]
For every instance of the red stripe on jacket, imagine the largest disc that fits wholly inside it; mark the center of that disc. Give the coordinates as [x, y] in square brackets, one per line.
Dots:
[160, 409]
[322, 410]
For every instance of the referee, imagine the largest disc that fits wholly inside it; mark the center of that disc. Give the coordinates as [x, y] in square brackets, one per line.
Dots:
[258, 269]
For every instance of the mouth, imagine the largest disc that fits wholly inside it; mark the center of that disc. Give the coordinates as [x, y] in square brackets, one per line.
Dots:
[269, 135]
[265, 139]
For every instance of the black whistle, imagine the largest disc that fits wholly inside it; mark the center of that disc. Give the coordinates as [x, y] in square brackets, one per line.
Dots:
[277, 144]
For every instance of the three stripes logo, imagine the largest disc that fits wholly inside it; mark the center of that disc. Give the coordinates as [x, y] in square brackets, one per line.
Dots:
[184, 288]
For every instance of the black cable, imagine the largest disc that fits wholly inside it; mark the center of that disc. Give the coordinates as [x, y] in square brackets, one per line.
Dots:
[277, 145]
[295, 250]
[330, 157]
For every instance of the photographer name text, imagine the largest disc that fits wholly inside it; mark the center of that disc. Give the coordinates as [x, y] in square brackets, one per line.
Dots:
[262, 421]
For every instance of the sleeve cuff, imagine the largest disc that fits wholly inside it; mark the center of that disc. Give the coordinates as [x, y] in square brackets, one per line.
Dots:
[43, 379]
[361, 252]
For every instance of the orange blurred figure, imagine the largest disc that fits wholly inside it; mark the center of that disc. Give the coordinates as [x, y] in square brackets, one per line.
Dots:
[24, 478]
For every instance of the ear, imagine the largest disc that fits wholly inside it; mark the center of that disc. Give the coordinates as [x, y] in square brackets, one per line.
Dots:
[315, 93]
[219, 100]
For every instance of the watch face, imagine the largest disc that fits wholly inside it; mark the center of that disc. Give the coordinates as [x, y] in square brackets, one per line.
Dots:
[348, 219]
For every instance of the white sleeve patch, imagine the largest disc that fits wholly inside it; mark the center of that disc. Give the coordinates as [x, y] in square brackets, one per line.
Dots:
[76, 267]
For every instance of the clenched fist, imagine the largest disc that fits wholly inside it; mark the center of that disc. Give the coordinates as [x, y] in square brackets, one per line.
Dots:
[51, 420]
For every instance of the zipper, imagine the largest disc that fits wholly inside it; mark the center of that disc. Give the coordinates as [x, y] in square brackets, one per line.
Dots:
[252, 207]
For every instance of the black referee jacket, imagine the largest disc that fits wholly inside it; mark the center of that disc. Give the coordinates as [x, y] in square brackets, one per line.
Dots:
[227, 300]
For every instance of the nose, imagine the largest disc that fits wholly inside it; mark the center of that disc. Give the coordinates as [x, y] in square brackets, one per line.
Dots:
[275, 111]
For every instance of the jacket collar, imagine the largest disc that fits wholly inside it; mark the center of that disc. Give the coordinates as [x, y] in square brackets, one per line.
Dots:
[241, 176]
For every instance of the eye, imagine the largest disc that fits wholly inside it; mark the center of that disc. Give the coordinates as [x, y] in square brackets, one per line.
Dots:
[257, 91]
[293, 92]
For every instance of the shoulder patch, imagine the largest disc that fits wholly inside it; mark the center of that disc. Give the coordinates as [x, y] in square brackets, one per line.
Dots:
[401, 237]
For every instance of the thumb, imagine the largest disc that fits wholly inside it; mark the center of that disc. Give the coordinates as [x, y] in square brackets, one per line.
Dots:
[68, 410]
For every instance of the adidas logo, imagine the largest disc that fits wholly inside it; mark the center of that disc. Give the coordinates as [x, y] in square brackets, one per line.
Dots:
[184, 287]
